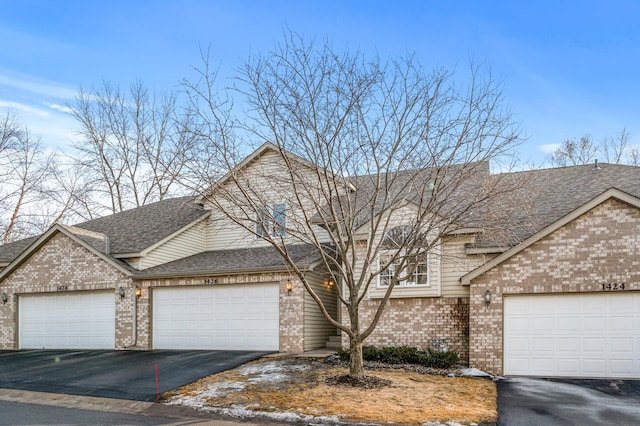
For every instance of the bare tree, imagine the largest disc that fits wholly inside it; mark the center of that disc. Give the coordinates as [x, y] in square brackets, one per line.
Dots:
[35, 191]
[615, 150]
[375, 162]
[134, 144]
[574, 152]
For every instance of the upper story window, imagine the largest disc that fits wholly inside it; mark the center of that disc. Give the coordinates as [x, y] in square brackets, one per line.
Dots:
[391, 267]
[272, 220]
[397, 261]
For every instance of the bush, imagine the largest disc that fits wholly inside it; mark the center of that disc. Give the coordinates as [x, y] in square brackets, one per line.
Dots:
[406, 355]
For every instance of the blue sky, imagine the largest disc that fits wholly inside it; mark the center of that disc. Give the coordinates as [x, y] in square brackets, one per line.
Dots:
[568, 68]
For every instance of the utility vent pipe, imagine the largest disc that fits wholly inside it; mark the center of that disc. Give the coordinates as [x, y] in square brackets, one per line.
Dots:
[595, 165]
[107, 245]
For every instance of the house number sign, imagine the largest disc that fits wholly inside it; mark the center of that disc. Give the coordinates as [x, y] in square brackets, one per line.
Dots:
[613, 286]
[62, 288]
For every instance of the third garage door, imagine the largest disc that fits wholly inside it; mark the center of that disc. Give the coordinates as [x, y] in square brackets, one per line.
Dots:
[573, 335]
[233, 317]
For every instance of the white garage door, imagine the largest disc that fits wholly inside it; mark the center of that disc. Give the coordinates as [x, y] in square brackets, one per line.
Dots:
[577, 335]
[233, 317]
[78, 320]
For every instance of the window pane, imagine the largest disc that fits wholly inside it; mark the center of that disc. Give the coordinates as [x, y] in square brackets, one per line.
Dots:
[280, 218]
[387, 274]
[421, 276]
[262, 221]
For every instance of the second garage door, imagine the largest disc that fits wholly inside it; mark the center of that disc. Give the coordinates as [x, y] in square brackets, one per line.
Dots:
[573, 335]
[74, 320]
[233, 317]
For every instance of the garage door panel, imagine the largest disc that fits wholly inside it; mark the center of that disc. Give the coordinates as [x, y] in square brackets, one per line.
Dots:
[544, 365]
[237, 317]
[569, 366]
[566, 345]
[568, 306]
[74, 320]
[569, 325]
[599, 339]
[623, 323]
[541, 325]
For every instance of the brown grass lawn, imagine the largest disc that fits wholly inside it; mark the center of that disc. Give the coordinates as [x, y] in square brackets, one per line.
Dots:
[412, 398]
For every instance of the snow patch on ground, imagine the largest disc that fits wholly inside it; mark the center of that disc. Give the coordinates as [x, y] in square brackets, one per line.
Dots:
[271, 367]
[244, 412]
[272, 372]
[200, 399]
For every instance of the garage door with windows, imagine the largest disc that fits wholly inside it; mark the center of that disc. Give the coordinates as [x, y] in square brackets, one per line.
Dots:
[74, 320]
[573, 335]
[225, 317]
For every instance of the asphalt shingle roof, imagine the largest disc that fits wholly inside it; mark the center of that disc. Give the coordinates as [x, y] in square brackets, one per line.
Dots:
[541, 197]
[10, 251]
[544, 196]
[130, 231]
[237, 260]
[134, 230]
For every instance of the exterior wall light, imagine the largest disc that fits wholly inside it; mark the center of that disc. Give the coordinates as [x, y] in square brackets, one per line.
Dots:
[487, 297]
[289, 287]
[121, 292]
[5, 298]
[138, 292]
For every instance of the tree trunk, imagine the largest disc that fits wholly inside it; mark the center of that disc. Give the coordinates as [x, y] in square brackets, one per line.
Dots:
[356, 367]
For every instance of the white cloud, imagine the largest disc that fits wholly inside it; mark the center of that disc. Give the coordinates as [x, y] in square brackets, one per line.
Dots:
[61, 108]
[53, 125]
[35, 85]
[548, 148]
[24, 108]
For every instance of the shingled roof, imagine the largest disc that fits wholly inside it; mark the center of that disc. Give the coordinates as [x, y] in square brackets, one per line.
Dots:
[130, 231]
[134, 230]
[545, 195]
[234, 261]
[10, 251]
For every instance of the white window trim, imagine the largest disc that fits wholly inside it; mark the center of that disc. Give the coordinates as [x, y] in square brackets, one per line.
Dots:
[272, 227]
[405, 283]
[434, 289]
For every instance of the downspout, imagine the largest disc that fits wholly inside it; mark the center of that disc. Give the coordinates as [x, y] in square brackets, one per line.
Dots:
[135, 319]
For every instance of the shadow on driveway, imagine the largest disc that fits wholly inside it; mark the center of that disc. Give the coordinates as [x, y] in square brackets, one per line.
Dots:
[549, 402]
[113, 374]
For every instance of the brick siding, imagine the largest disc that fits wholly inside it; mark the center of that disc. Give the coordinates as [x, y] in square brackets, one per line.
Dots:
[420, 322]
[601, 246]
[62, 263]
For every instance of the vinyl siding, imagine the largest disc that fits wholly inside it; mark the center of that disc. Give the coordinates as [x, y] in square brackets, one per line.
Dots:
[400, 217]
[187, 243]
[316, 328]
[268, 176]
[456, 263]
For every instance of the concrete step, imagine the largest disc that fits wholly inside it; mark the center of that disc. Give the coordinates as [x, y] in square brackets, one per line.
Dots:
[335, 342]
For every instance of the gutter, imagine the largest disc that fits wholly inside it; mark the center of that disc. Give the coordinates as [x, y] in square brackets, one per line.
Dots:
[216, 272]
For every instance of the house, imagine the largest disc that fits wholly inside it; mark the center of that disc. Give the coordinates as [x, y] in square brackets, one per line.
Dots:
[559, 297]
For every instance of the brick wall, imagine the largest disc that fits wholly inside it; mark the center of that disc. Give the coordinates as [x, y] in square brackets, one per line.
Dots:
[601, 246]
[418, 322]
[62, 263]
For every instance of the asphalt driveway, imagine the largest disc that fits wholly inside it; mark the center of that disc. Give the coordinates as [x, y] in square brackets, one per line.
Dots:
[113, 374]
[549, 402]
